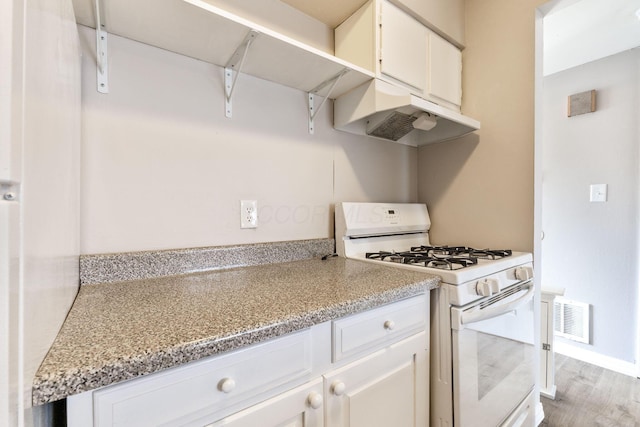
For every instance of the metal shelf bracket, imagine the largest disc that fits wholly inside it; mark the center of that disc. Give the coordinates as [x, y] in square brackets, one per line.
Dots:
[102, 67]
[233, 69]
[333, 81]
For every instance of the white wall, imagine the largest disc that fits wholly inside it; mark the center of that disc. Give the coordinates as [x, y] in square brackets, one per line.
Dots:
[591, 249]
[163, 168]
[42, 119]
[579, 32]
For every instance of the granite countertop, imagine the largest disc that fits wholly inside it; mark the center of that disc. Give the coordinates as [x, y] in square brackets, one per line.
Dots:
[121, 330]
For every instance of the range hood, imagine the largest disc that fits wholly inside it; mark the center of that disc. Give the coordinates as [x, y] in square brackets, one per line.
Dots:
[383, 110]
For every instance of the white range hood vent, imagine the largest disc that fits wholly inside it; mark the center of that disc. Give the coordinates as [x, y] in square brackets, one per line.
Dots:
[382, 110]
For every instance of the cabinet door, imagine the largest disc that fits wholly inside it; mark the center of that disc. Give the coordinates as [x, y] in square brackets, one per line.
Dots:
[300, 407]
[403, 47]
[387, 388]
[445, 70]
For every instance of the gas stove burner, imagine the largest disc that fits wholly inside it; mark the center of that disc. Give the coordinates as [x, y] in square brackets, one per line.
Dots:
[451, 263]
[425, 259]
[400, 257]
[462, 251]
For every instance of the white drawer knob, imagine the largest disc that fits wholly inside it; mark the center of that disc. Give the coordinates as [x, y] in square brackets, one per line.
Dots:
[337, 388]
[315, 400]
[226, 385]
[389, 324]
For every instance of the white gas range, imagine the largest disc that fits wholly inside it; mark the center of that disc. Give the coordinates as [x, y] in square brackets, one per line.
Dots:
[482, 316]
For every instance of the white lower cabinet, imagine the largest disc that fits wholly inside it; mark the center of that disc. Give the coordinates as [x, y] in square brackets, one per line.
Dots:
[300, 407]
[387, 388]
[365, 370]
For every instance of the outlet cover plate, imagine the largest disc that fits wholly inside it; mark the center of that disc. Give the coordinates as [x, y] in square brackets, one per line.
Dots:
[248, 214]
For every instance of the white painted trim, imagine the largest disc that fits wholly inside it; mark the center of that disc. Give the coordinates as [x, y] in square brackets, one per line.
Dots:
[637, 319]
[537, 201]
[588, 356]
[549, 393]
[539, 413]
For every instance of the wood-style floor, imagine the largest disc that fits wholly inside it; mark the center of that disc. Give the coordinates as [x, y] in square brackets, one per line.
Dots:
[588, 395]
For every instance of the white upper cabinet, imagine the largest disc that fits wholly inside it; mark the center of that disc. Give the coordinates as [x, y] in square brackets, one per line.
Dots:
[445, 17]
[444, 84]
[385, 40]
[403, 47]
[400, 49]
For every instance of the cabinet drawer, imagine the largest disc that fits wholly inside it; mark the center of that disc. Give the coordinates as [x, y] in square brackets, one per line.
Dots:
[291, 408]
[379, 327]
[203, 388]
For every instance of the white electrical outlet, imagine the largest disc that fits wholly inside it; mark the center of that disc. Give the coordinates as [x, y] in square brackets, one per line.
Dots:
[248, 214]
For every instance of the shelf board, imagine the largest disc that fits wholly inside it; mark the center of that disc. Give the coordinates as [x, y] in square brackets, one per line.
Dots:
[202, 31]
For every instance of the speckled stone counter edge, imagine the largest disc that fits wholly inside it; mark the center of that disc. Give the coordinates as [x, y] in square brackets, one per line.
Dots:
[48, 389]
[118, 267]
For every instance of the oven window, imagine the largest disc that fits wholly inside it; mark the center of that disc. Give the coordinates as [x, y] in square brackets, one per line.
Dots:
[497, 359]
[493, 365]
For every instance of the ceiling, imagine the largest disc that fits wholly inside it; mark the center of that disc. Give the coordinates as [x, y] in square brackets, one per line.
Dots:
[329, 12]
[587, 30]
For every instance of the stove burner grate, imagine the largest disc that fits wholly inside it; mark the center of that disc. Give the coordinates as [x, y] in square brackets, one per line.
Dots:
[441, 257]
[462, 251]
[440, 261]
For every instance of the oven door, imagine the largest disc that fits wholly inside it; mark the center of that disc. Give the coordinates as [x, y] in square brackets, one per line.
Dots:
[493, 357]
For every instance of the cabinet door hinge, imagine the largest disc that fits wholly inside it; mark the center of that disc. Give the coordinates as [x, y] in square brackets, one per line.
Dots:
[546, 347]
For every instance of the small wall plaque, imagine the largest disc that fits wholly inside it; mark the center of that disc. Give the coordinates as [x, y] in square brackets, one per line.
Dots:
[582, 103]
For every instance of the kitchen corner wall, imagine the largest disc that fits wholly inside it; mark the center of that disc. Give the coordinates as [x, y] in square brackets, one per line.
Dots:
[163, 168]
[479, 188]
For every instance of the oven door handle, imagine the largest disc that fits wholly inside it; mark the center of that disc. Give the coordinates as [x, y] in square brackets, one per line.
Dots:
[477, 314]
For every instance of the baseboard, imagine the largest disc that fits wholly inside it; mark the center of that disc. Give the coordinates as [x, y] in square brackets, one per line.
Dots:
[549, 393]
[606, 362]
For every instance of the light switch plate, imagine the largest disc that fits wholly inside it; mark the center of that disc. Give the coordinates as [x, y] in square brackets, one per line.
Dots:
[598, 193]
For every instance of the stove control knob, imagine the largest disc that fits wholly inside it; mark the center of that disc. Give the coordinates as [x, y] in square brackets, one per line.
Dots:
[487, 287]
[524, 273]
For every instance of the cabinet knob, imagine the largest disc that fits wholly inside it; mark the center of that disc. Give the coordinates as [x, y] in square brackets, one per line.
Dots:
[337, 388]
[389, 324]
[314, 400]
[226, 385]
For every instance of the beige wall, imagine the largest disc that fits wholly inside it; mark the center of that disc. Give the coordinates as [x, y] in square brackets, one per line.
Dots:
[479, 188]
